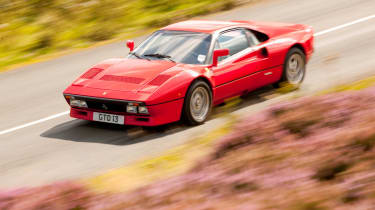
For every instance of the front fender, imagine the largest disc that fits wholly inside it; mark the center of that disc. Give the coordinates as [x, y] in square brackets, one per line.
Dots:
[176, 87]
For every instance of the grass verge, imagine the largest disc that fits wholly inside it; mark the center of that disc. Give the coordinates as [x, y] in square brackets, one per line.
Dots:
[171, 163]
[36, 30]
[358, 85]
[311, 153]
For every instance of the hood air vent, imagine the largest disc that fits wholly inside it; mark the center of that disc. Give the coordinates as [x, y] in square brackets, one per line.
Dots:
[134, 80]
[91, 73]
[159, 80]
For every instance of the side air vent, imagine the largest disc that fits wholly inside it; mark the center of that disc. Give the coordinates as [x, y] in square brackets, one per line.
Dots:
[159, 80]
[91, 73]
[134, 80]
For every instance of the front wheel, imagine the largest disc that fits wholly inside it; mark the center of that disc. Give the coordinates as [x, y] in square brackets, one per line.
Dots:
[294, 69]
[197, 104]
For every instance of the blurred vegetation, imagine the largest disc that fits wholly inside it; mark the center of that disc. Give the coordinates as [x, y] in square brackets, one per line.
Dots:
[311, 153]
[357, 85]
[31, 28]
[171, 163]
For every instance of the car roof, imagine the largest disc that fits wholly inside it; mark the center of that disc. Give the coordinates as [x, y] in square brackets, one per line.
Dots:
[205, 26]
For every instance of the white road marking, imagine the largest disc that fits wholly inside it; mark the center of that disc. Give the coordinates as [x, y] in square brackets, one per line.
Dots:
[344, 25]
[67, 112]
[34, 122]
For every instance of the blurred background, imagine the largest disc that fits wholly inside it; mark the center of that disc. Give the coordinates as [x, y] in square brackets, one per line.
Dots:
[30, 28]
[306, 149]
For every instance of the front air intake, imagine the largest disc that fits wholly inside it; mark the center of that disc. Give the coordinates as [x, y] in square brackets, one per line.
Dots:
[91, 73]
[159, 80]
[126, 79]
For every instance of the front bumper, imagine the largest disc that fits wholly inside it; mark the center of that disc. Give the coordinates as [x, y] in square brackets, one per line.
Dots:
[159, 114]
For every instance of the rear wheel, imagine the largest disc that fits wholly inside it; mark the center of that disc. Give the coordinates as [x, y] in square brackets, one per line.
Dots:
[197, 104]
[294, 69]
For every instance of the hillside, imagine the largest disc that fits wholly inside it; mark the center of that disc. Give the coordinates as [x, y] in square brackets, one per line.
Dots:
[32, 28]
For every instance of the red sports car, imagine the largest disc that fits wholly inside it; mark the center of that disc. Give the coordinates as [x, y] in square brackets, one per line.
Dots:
[183, 70]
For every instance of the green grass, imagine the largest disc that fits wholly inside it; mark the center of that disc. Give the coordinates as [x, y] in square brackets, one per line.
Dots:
[354, 86]
[31, 29]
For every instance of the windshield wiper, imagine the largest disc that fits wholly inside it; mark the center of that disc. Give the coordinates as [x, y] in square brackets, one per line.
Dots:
[157, 55]
[138, 56]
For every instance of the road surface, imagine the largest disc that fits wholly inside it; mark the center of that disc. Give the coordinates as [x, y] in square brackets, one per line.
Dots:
[64, 148]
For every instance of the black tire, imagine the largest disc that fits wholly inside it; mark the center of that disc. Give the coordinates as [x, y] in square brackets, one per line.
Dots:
[285, 81]
[187, 115]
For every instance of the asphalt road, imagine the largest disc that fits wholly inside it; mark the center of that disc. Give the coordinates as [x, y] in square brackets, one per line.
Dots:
[64, 148]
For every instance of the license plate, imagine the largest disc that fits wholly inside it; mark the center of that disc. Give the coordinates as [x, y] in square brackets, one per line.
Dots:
[108, 118]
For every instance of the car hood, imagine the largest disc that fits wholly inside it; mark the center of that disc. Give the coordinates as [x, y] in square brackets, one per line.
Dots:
[123, 74]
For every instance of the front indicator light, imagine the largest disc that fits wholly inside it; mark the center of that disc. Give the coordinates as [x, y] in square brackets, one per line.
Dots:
[78, 103]
[67, 97]
[142, 110]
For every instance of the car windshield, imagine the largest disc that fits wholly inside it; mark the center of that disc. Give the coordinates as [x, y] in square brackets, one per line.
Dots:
[177, 46]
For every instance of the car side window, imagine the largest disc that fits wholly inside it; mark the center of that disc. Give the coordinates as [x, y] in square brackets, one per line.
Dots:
[234, 40]
[253, 40]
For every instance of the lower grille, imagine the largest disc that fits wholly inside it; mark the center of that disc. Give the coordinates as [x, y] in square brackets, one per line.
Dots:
[104, 104]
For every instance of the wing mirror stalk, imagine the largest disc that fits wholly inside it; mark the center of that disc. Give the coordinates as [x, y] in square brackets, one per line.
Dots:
[130, 45]
[217, 54]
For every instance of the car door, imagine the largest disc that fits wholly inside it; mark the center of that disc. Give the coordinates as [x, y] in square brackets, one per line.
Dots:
[269, 66]
[233, 75]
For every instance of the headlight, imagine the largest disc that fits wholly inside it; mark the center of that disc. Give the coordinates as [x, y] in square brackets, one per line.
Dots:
[142, 110]
[78, 103]
[130, 108]
[136, 107]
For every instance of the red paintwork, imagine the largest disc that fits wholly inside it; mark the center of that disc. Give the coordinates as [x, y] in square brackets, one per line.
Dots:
[217, 54]
[130, 45]
[157, 115]
[162, 85]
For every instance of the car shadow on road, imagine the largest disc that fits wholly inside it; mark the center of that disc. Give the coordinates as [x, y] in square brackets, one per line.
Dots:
[255, 97]
[96, 132]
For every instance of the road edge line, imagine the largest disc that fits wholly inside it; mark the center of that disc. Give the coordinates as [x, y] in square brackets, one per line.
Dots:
[344, 25]
[33, 122]
[67, 112]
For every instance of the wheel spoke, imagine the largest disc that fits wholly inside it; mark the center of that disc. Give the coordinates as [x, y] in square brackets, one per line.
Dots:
[295, 69]
[199, 104]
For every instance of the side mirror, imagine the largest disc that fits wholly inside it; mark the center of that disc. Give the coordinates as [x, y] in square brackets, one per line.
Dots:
[217, 54]
[130, 45]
